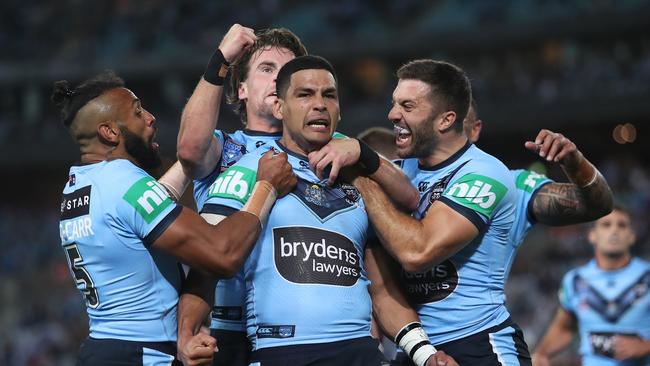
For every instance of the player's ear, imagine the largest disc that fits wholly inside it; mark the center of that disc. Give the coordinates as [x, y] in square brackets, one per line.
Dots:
[447, 120]
[108, 133]
[242, 91]
[278, 107]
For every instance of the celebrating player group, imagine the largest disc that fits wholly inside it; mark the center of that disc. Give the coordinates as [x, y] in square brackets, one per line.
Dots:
[304, 237]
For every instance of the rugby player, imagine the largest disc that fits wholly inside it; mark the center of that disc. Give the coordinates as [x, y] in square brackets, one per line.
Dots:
[124, 236]
[307, 287]
[606, 301]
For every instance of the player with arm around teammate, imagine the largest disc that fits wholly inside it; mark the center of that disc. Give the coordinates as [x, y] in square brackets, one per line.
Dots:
[123, 235]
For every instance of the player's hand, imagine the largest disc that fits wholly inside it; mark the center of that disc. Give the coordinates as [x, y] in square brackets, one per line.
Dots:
[275, 169]
[197, 350]
[626, 347]
[541, 360]
[556, 148]
[440, 358]
[338, 153]
[236, 41]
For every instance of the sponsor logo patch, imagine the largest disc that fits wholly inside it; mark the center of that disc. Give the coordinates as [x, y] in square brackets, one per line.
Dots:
[76, 204]
[528, 180]
[276, 331]
[310, 255]
[477, 192]
[432, 285]
[602, 343]
[235, 183]
[148, 198]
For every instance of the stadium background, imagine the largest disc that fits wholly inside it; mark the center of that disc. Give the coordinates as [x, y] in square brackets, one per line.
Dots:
[578, 67]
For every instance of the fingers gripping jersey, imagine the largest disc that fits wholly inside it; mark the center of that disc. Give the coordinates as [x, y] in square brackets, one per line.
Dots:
[465, 294]
[305, 278]
[110, 213]
[607, 303]
[230, 294]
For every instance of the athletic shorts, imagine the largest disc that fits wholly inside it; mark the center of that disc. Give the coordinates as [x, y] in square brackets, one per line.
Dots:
[501, 345]
[354, 352]
[117, 352]
[234, 348]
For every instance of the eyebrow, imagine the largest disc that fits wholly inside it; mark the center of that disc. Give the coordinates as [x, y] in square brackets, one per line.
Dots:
[135, 101]
[268, 63]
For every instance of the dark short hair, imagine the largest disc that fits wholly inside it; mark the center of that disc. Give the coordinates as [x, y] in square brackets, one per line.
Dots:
[70, 101]
[266, 38]
[449, 85]
[297, 64]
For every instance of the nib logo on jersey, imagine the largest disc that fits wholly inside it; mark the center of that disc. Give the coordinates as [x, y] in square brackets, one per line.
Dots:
[310, 255]
[236, 183]
[148, 198]
[477, 192]
[432, 285]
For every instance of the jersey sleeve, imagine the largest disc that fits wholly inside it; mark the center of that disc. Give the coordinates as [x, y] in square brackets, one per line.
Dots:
[477, 191]
[231, 190]
[528, 183]
[565, 293]
[142, 206]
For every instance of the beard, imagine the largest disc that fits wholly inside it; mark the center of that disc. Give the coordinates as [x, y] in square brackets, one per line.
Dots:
[423, 140]
[146, 156]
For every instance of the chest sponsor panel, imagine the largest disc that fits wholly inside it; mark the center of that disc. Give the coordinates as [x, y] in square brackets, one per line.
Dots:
[309, 255]
[433, 285]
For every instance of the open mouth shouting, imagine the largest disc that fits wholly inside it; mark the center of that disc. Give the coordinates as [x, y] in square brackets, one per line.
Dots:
[402, 136]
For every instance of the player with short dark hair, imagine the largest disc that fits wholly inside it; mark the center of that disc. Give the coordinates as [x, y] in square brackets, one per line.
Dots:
[307, 287]
[454, 250]
[606, 301]
[124, 236]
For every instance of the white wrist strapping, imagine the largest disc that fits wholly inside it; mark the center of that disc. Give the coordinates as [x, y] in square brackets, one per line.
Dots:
[261, 200]
[175, 181]
[414, 341]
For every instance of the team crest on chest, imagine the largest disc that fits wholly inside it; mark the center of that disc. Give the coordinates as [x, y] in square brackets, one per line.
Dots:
[231, 153]
[433, 192]
[324, 201]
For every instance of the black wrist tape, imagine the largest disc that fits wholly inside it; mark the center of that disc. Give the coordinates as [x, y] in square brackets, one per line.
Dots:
[368, 159]
[217, 69]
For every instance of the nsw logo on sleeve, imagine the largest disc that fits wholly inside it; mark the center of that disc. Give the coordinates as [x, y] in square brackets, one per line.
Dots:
[316, 256]
[235, 183]
[528, 180]
[477, 192]
[432, 285]
[148, 198]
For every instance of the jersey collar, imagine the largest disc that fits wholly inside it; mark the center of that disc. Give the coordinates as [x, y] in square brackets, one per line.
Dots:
[450, 160]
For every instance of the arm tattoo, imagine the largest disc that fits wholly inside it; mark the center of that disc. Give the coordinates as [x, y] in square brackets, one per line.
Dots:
[558, 204]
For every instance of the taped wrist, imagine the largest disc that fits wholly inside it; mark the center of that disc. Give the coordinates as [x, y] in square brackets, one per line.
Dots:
[415, 342]
[175, 181]
[368, 159]
[217, 69]
[261, 200]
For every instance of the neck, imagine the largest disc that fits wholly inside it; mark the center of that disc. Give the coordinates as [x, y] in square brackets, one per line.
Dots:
[298, 146]
[610, 262]
[444, 150]
[259, 124]
[93, 152]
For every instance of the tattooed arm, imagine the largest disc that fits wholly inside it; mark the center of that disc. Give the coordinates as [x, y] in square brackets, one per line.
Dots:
[587, 198]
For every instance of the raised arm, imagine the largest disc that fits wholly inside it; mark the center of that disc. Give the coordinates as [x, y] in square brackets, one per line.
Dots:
[343, 152]
[198, 149]
[393, 314]
[586, 198]
[417, 245]
[558, 336]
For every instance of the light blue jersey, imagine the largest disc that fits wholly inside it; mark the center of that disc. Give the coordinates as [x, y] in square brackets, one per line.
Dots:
[111, 212]
[305, 279]
[465, 294]
[230, 294]
[607, 303]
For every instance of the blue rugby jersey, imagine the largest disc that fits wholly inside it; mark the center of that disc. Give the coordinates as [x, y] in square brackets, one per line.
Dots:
[230, 294]
[465, 294]
[305, 279]
[606, 303]
[111, 212]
